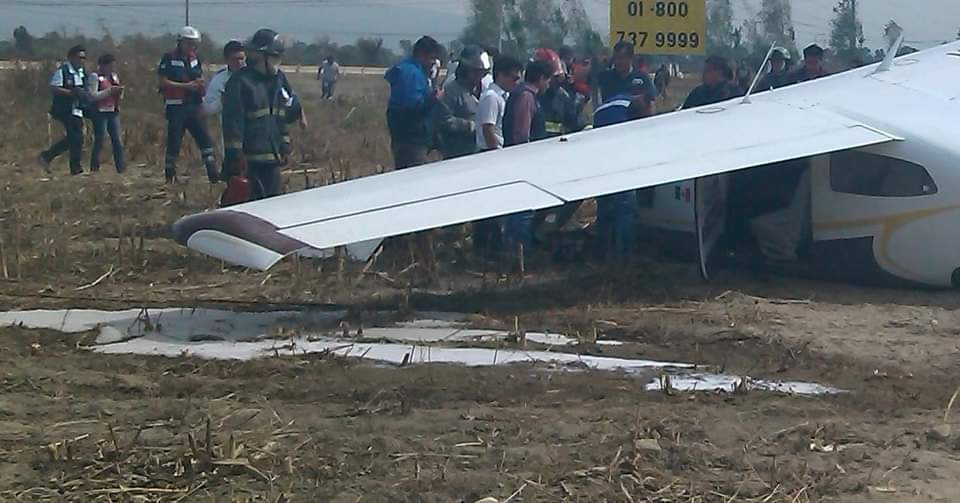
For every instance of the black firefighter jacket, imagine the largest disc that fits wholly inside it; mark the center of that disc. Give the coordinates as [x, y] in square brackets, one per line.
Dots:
[255, 108]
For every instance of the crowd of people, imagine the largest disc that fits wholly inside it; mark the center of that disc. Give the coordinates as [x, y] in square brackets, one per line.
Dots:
[491, 101]
[251, 96]
[487, 101]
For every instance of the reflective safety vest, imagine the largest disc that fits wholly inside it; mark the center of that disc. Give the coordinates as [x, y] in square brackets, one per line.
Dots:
[110, 103]
[179, 67]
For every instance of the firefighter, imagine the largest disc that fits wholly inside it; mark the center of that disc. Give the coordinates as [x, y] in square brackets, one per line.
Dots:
[256, 104]
[561, 110]
[182, 86]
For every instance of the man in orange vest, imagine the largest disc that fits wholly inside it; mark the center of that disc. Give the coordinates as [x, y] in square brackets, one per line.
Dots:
[183, 86]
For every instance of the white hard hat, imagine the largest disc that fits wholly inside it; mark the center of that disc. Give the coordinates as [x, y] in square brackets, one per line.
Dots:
[189, 33]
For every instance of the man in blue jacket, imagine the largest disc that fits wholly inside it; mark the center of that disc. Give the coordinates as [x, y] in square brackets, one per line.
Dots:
[412, 98]
[617, 213]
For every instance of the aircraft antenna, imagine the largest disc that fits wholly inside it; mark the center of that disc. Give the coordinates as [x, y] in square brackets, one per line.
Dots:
[756, 78]
[895, 35]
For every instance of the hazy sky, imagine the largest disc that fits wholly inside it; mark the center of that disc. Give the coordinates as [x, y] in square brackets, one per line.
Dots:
[927, 22]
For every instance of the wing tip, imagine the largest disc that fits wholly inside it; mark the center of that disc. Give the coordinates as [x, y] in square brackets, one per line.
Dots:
[236, 237]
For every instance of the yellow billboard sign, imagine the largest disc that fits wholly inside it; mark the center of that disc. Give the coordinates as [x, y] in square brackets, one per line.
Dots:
[660, 27]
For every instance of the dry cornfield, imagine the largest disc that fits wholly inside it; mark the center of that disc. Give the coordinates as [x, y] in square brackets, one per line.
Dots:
[79, 425]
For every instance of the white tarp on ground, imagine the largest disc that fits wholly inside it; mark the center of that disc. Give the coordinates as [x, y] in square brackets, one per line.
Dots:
[217, 334]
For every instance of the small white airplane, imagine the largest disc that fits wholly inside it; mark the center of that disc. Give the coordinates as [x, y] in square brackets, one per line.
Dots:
[871, 157]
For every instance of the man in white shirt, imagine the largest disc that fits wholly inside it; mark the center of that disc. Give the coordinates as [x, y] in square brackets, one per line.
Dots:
[487, 234]
[236, 58]
[493, 103]
[329, 74]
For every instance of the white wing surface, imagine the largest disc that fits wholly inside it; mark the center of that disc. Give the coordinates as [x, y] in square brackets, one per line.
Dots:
[801, 121]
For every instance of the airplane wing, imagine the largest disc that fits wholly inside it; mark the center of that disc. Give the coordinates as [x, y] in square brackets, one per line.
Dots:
[663, 149]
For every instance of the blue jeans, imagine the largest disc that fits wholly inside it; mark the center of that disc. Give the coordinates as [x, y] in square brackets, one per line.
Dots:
[617, 224]
[107, 123]
[518, 230]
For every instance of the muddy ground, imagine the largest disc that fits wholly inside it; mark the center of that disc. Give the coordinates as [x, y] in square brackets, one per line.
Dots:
[79, 426]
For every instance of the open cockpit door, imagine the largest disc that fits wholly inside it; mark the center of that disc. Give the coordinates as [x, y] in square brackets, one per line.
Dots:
[710, 209]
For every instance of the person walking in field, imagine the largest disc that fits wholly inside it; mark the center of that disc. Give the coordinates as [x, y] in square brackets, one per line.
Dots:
[329, 74]
[182, 85]
[256, 104]
[104, 93]
[67, 87]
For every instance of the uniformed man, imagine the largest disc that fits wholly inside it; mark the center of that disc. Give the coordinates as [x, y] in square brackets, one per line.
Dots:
[561, 109]
[67, 87]
[256, 105]
[457, 112]
[780, 71]
[182, 86]
[717, 84]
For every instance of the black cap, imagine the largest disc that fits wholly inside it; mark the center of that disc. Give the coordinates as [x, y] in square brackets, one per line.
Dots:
[813, 51]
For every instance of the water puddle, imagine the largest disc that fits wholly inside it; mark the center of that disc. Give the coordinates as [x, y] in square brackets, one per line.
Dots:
[443, 338]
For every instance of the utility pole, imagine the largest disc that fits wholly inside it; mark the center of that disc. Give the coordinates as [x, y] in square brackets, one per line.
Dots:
[854, 32]
[500, 29]
[187, 12]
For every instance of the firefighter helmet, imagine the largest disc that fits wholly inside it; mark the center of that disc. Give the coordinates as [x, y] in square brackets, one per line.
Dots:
[266, 41]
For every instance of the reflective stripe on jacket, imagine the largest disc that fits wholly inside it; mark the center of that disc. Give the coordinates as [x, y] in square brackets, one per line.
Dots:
[255, 117]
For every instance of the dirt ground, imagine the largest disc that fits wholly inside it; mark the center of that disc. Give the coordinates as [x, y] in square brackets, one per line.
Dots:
[80, 426]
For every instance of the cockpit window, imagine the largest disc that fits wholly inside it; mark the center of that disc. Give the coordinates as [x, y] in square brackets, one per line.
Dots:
[861, 173]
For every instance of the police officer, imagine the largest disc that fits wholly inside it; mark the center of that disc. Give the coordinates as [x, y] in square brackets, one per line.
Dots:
[67, 87]
[456, 116]
[780, 72]
[258, 105]
[182, 86]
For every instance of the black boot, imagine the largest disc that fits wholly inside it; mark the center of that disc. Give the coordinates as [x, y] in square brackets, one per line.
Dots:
[213, 173]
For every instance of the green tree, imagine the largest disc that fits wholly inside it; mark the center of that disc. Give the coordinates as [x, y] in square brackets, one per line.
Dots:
[23, 42]
[846, 33]
[776, 21]
[486, 23]
[520, 26]
[722, 38]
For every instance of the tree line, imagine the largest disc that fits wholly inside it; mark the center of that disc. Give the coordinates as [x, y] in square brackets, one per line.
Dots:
[53, 45]
[513, 26]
